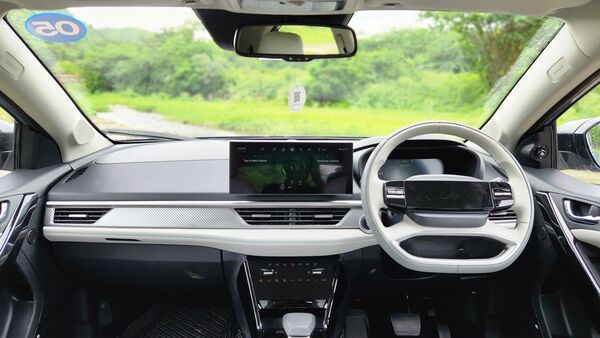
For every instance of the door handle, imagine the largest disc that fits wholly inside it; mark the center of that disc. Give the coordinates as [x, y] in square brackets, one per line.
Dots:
[588, 219]
[3, 210]
[12, 236]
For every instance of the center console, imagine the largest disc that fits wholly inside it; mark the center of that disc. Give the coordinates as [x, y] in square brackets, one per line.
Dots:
[295, 288]
[284, 285]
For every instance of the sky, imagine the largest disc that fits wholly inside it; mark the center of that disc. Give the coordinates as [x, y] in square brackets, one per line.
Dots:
[365, 23]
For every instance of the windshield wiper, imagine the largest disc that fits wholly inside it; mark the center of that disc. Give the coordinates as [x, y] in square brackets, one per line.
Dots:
[146, 135]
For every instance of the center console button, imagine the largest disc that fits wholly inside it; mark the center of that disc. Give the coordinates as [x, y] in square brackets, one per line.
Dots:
[317, 271]
[267, 272]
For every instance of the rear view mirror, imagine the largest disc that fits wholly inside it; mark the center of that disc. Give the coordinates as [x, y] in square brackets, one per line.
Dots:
[295, 42]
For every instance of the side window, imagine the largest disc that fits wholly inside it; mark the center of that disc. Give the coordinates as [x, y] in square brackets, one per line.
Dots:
[7, 138]
[7, 141]
[578, 135]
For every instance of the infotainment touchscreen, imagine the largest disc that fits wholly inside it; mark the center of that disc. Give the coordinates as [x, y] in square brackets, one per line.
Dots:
[290, 168]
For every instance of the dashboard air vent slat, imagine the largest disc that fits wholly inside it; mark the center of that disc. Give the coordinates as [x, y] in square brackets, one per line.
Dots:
[292, 216]
[79, 215]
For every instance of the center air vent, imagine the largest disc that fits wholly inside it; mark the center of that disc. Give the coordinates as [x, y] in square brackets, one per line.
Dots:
[292, 216]
[78, 215]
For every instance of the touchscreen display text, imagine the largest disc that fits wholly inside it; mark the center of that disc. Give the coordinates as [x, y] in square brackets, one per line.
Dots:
[290, 168]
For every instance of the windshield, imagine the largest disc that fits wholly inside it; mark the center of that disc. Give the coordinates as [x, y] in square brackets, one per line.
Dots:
[158, 70]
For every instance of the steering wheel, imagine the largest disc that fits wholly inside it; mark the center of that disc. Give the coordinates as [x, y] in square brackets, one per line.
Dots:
[433, 223]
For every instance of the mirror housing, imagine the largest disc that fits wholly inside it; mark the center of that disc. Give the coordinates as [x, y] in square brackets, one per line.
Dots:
[579, 144]
[293, 42]
[7, 136]
[593, 141]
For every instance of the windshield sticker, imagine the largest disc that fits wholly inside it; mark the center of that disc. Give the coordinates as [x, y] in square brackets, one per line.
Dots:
[297, 98]
[55, 27]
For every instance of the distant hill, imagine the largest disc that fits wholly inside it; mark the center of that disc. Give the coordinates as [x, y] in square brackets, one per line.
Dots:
[120, 35]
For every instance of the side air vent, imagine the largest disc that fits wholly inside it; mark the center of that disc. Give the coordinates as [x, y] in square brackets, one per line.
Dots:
[505, 217]
[76, 174]
[292, 216]
[78, 215]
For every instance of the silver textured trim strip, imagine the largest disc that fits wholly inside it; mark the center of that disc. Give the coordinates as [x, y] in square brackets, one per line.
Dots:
[329, 304]
[571, 240]
[257, 242]
[253, 299]
[186, 217]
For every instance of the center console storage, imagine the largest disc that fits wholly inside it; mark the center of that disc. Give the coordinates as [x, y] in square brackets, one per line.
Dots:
[281, 285]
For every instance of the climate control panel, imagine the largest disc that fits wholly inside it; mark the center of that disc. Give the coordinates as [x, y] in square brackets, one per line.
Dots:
[304, 278]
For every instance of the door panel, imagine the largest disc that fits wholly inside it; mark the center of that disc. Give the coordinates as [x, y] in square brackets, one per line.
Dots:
[568, 301]
[8, 208]
[22, 195]
[591, 237]
[557, 191]
[19, 193]
[570, 227]
[20, 208]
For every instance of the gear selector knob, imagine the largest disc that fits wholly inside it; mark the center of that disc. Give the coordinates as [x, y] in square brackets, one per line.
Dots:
[299, 325]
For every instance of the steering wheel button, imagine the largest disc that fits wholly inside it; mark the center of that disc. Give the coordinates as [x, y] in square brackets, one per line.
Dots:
[502, 195]
[394, 195]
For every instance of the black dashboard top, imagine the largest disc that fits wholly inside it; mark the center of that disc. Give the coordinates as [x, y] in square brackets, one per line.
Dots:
[200, 170]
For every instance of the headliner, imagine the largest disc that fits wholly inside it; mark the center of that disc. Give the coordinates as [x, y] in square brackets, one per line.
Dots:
[527, 7]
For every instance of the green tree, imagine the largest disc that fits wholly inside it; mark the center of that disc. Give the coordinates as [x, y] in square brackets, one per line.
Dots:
[335, 80]
[199, 75]
[495, 40]
[94, 79]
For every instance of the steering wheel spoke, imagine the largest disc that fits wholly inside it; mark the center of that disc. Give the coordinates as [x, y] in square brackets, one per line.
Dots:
[407, 228]
[379, 200]
[399, 231]
[506, 235]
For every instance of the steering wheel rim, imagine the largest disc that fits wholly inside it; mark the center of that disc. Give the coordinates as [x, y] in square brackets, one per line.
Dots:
[389, 238]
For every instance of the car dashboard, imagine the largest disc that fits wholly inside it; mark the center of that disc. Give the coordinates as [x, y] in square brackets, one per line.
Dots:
[178, 193]
[183, 214]
[186, 193]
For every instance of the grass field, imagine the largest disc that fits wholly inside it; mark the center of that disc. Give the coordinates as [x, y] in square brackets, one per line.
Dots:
[274, 118]
[588, 176]
[5, 117]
